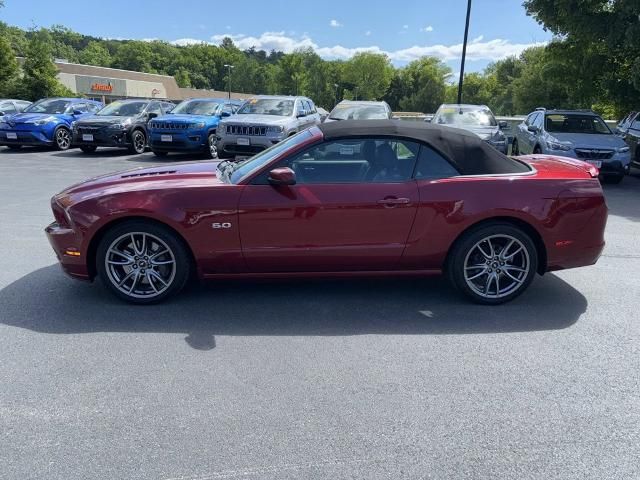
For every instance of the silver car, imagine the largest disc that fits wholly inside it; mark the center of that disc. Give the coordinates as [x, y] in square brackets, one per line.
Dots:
[263, 121]
[360, 110]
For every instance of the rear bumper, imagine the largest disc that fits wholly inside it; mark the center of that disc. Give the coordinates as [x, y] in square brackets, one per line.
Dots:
[63, 241]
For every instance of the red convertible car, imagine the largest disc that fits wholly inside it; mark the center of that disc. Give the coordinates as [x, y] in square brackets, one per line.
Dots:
[351, 198]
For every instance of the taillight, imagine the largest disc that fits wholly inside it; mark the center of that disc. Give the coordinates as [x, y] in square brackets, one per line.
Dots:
[593, 171]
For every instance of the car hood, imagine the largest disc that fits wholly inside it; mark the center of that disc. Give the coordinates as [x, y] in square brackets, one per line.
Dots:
[589, 140]
[100, 120]
[184, 118]
[485, 133]
[254, 118]
[145, 178]
[30, 117]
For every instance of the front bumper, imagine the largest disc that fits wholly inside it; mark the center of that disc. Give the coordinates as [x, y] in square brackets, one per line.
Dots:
[181, 141]
[102, 137]
[66, 246]
[35, 136]
[618, 164]
[229, 144]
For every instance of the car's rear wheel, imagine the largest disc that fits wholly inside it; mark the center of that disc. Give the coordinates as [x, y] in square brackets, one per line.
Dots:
[15, 147]
[212, 150]
[160, 154]
[62, 138]
[142, 262]
[514, 148]
[138, 142]
[537, 150]
[88, 148]
[493, 264]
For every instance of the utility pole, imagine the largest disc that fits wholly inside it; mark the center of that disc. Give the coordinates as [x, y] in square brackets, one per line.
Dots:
[464, 52]
[229, 67]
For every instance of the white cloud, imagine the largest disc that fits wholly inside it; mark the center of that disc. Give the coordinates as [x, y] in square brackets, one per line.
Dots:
[183, 42]
[405, 27]
[367, 33]
[428, 28]
[477, 49]
[335, 24]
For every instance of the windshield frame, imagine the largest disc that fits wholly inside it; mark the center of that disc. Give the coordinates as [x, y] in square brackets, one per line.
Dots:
[598, 119]
[30, 108]
[465, 110]
[121, 102]
[245, 170]
[255, 101]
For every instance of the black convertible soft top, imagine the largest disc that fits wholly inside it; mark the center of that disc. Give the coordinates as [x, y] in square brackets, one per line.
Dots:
[465, 150]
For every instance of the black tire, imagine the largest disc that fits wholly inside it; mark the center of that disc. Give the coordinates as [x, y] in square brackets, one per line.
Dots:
[222, 155]
[160, 154]
[212, 150]
[62, 139]
[138, 142]
[174, 275]
[15, 147]
[466, 247]
[515, 151]
[537, 150]
[88, 148]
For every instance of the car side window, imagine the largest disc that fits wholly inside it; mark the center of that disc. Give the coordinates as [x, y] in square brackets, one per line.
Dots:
[530, 119]
[361, 160]
[636, 123]
[93, 108]
[78, 107]
[432, 165]
[7, 108]
[312, 107]
[539, 121]
[167, 107]
[300, 108]
[229, 108]
[154, 107]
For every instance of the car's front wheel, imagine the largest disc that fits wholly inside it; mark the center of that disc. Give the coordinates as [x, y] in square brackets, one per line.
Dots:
[138, 142]
[515, 151]
[493, 264]
[142, 262]
[212, 150]
[62, 138]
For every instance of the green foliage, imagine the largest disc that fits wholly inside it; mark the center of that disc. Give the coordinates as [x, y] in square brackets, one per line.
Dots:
[8, 68]
[95, 53]
[39, 72]
[420, 86]
[368, 75]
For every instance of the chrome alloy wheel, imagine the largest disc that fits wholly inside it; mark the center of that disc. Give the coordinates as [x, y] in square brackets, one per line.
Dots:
[213, 150]
[496, 266]
[140, 265]
[63, 139]
[138, 141]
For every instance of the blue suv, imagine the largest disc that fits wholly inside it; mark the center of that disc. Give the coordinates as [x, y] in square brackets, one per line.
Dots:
[580, 134]
[46, 122]
[191, 126]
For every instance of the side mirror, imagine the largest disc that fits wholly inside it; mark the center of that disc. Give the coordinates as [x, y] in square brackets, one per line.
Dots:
[2, 114]
[282, 176]
[303, 113]
[78, 112]
[168, 111]
[225, 114]
[428, 119]
[151, 115]
[503, 124]
[532, 129]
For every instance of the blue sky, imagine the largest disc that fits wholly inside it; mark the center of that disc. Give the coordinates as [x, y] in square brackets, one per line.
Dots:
[404, 29]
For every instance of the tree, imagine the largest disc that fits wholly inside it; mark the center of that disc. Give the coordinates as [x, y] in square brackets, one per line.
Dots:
[8, 68]
[40, 72]
[134, 55]
[420, 86]
[369, 73]
[95, 54]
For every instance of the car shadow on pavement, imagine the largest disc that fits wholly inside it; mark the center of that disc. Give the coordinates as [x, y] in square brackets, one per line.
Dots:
[26, 149]
[99, 153]
[47, 301]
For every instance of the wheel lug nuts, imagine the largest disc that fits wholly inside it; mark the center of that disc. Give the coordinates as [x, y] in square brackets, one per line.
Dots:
[490, 270]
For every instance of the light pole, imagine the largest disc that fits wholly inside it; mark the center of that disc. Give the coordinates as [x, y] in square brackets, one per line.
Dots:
[336, 85]
[229, 67]
[464, 52]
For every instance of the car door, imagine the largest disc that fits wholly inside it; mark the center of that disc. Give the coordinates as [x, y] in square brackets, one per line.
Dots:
[633, 139]
[526, 140]
[351, 208]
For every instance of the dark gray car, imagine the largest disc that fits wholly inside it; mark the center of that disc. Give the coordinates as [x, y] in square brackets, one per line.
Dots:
[475, 118]
[9, 106]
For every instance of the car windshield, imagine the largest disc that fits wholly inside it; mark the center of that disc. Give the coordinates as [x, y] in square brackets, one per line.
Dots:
[572, 123]
[235, 172]
[465, 116]
[197, 107]
[267, 106]
[358, 112]
[53, 105]
[123, 109]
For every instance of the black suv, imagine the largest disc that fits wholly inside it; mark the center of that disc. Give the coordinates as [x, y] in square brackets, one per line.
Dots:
[122, 123]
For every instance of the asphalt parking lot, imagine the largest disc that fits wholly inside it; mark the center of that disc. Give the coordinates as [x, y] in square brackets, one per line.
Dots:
[318, 379]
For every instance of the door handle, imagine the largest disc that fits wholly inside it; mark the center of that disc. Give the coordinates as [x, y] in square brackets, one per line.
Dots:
[392, 201]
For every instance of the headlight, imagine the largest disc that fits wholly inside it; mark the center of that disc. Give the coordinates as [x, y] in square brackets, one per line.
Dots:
[196, 125]
[623, 149]
[554, 145]
[74, 125]
[42, 121]
[122, 125]
[275, 129]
